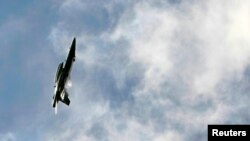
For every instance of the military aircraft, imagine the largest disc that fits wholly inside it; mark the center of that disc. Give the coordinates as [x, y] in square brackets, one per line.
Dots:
[62, 77]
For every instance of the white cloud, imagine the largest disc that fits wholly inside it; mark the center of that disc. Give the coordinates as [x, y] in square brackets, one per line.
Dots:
[7, 137]
[181, 53]
[169, 136]
[222, 57]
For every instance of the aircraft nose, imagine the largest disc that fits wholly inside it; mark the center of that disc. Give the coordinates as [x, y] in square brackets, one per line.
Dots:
[73, 46]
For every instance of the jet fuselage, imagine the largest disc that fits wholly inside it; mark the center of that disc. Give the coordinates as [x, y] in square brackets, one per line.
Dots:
[62, 77]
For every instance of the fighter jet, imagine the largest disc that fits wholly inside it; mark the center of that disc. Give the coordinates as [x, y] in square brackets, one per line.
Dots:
[62, 77]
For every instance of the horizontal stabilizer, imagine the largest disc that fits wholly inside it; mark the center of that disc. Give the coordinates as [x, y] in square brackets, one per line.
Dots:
[65, 98]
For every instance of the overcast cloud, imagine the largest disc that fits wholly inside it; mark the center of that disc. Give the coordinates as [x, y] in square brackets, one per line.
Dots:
[146, 70]
[156, 70]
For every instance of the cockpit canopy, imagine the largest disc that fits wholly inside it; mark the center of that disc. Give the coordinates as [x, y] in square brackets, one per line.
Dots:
[59, 71]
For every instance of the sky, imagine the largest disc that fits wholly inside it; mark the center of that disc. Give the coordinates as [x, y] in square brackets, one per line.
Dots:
[145, 70]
